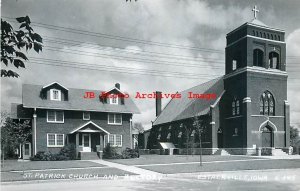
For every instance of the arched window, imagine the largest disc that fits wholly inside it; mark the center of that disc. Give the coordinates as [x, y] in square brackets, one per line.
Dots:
[260, 34]
[274, 60]
[271, 36]
[268, 36]
[278, 37]
[264, 35]
[235, 107]
[266, 104]
[258, 56]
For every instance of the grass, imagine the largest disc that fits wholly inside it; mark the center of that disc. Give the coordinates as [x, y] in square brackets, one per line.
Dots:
[225, 166]
[165, 159]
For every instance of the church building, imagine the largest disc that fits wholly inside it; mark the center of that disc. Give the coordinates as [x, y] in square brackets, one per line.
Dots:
[250, 112]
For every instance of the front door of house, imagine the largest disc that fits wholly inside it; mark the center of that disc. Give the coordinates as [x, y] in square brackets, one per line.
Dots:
[26, 150]
[86, 142]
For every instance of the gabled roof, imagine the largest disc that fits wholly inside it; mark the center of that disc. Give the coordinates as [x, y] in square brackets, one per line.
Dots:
[184, 108]
[114, 88]
[84, 125]
[46, 86]
[32, 99]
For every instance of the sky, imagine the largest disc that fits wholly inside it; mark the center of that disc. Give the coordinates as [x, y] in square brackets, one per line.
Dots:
[148, 45]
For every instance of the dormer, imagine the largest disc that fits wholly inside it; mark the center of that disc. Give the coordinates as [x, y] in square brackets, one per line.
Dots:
[114, 96]
[54, 92]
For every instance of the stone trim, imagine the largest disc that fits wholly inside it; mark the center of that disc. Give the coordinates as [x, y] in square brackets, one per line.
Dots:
[247, 100]
[255, 69]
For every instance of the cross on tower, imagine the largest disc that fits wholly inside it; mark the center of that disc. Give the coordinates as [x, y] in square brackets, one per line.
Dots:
[255, 10]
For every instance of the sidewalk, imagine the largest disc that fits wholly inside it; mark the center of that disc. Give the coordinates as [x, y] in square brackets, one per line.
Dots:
[132, 169]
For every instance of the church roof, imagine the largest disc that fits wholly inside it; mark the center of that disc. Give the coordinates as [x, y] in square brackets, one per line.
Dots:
[183, 108]
[258, 22]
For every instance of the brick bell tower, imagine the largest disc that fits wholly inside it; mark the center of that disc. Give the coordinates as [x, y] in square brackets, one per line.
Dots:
[255, 111]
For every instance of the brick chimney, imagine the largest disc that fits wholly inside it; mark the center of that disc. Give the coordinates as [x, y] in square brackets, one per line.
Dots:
[158, 103]
[117, 85]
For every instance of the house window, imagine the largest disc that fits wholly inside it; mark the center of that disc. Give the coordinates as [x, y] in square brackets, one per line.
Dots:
[114, 140]
[115, 118]
[55, 95]
[267, 105]
[55, 140]
[55, 116]
[113, 99]
[86, 115]
[235, 106]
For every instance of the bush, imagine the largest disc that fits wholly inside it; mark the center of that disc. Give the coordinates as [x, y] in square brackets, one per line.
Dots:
[110, 153]
[42, 156]
[130, 153]
[68, 152]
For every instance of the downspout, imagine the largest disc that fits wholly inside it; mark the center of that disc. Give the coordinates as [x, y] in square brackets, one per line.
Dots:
[130, 129]
[34, 130]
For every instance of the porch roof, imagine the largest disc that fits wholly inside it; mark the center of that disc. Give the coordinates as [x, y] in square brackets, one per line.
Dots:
[86, 124]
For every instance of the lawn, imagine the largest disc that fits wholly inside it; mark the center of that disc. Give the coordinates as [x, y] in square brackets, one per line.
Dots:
[224, 166]
[14, 165]
[166, 159]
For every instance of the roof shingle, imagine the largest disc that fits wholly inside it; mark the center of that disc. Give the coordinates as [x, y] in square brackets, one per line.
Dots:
[185, 107]
[31, 99]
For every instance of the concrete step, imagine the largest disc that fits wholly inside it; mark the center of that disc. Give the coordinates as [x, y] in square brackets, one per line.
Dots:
[279, 152]
[88, 156]
[221, 152]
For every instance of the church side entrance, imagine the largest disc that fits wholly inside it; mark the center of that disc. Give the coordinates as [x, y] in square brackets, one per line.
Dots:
[267, 140]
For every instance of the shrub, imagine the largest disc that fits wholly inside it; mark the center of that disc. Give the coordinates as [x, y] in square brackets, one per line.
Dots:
[130, 153]
[68, 152]
[110, 153]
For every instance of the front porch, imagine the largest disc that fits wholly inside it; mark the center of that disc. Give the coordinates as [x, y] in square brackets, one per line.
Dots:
[88, 138]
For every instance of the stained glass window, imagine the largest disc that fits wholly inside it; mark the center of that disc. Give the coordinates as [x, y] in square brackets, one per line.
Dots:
[266, 104]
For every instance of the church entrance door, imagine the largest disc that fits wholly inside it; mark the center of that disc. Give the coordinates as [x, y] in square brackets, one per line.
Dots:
[267, 137]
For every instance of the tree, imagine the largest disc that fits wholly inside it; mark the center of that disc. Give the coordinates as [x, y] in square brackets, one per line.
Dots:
[13, 134]
[187, 133]
[198, 124]
[139, 126]
[294, 134]
[13, 43]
